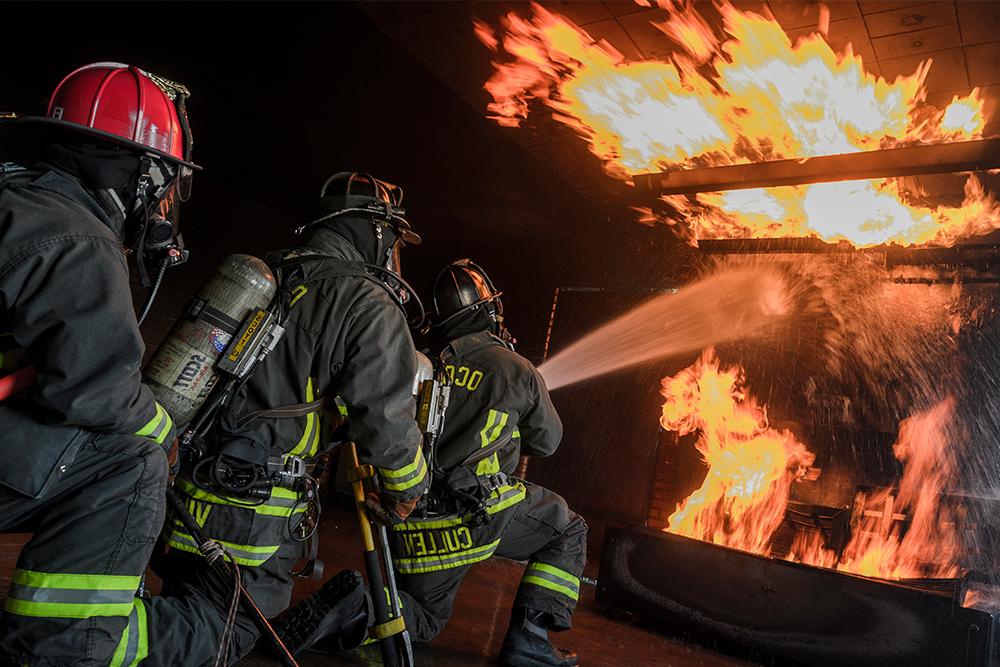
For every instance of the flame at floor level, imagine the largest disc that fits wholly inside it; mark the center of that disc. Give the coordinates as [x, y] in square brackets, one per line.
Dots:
[744, 93]
[751, 468]
[930, 546]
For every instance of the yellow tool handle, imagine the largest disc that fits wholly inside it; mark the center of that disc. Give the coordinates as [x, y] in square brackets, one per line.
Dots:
[358, 485]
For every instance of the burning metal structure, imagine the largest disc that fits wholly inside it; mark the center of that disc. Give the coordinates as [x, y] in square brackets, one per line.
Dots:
[842, 511]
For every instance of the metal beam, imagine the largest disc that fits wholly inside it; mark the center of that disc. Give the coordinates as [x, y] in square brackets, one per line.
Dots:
[906, 161]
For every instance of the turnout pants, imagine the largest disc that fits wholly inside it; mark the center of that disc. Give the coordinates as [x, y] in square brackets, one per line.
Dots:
[433, 556]
[72, 596]
[186, 623]
[72, 599]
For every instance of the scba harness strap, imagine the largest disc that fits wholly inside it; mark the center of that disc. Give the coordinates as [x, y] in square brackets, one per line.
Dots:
[232, 454]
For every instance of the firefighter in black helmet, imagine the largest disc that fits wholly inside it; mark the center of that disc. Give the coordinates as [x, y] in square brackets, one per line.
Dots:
[475, 508]
[499, 409]
[346, 338]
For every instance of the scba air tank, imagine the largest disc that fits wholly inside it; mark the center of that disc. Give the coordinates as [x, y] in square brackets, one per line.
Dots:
[182, 371]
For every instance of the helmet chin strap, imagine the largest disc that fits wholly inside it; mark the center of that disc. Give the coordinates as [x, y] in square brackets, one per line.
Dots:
[499, 330]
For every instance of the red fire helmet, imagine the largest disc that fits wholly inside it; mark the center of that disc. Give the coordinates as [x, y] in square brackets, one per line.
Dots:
[125, 105]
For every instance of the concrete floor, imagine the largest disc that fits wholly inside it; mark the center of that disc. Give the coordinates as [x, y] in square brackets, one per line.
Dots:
[477, 628]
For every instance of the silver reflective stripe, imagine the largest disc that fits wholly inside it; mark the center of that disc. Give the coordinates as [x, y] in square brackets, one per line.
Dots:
[505, 495]
[244, 554]
[161, 431]
[428, 563]
[133, 630]
[69, 595]
[556, 579]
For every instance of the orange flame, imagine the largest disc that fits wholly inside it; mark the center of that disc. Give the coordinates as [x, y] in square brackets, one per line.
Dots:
[754, 95]
[930, 546]
[750, 465]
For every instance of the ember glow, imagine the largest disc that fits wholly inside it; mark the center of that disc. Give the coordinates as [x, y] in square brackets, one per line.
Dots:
[751, 466]
[744, 93]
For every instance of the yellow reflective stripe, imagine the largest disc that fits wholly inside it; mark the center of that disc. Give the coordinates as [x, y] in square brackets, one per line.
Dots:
[406, 470]
[517, 433]
[143, 634]
[282, 492]
[133, 647]
[244, 554]
[119, 655]
[555, 571]
[158, 427]
[341, 406]
[297, 294]
[64, 609]
[401, 479]
[446, 562]
[152, 423]
[79, 582]
[283, 502]
[491, 464]
[61, 595]
[502, 498]
[552, 586]
[311, 432]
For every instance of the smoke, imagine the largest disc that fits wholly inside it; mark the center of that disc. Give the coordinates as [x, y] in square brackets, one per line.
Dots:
[729, 304]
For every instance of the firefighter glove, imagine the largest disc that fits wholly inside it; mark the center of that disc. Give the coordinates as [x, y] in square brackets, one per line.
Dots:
[388, 511]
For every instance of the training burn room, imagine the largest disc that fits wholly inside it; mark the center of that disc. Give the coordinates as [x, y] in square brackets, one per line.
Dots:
[468, 333]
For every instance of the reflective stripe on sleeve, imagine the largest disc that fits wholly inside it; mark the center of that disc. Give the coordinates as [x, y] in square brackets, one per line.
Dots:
[157, 428]
[553, 579]
[406, 477]
[495, 422]
[133, 647]
[308, 444]
[58, 595]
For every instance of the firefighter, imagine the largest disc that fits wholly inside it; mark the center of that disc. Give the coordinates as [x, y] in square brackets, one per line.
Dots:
[347, 337]
[83, 453]
[475, 509]
[499, 409]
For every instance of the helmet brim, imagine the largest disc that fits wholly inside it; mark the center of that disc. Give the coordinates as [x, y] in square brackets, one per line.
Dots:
[410, 237]
[44, 121]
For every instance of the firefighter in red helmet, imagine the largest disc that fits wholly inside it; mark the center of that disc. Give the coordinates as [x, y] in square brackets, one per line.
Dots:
[83, 455]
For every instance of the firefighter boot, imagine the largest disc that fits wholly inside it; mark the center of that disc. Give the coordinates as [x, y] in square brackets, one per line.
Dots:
[339, 610]
[527, 643]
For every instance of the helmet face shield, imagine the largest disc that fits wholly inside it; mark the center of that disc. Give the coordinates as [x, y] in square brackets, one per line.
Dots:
[185, 177]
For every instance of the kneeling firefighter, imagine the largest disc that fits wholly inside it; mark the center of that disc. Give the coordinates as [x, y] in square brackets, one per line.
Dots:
[83, 462]
[498, 408]
[345, 335]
